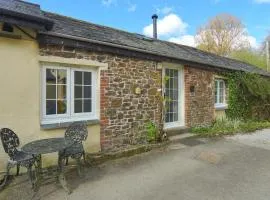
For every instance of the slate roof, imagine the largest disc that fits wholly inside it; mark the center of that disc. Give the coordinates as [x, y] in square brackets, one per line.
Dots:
[73, 27]
[19, 11]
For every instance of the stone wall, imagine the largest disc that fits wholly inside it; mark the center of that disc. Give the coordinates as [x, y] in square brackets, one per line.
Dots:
[123, 113]
[199, 108]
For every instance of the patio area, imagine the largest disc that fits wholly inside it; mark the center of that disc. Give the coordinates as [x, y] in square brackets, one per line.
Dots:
[30, 155]
[223, 169]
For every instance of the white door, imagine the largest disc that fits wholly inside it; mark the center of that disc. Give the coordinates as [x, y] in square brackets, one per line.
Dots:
[174, 95]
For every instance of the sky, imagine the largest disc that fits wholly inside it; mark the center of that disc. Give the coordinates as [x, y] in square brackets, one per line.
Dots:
[178, 19]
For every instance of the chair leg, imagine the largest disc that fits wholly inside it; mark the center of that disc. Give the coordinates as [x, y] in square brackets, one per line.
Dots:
[31, 177]
[84, 158]
[4, 181]
[66, 161]
[29, 171]
[78, 160]
[18, 169]
[9, 166]
[60, 162]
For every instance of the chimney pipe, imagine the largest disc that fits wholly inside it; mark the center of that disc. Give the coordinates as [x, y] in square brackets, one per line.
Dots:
[155, 17]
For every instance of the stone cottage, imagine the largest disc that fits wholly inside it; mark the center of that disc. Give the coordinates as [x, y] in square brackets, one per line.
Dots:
[56, 70]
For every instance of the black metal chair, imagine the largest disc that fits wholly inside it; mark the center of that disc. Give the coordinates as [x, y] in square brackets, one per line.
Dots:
[10, 142]
[77, 132]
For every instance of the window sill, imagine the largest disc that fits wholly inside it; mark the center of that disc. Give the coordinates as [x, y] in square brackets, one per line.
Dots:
[221, 106]
[61, 125]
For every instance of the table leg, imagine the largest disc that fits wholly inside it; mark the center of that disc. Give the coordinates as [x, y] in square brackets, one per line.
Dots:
[38, 171]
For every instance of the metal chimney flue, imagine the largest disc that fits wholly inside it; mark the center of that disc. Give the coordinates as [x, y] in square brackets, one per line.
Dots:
[155, 17]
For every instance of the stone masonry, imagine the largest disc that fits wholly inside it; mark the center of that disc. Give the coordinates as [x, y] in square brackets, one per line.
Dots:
[123, 113]
[199, 108]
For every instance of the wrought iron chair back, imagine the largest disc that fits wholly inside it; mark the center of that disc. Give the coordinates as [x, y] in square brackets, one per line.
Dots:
[10, 141]
[77, 132]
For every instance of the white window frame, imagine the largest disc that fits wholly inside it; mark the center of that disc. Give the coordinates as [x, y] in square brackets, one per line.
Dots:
[181, 97]
[93, 98]
[219, 105]
[70, 115]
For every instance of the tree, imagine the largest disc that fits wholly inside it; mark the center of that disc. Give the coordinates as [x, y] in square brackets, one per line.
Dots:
[250, 56]
[222, 34]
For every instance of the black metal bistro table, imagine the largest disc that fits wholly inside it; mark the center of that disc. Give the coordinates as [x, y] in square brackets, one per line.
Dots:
[50, 145]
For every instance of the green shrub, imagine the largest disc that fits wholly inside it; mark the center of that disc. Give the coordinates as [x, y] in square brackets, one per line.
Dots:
[227, 126]
[152, 131]
[249, 96]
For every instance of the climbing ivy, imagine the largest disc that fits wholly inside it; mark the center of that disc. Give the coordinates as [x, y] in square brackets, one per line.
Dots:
[249, 96]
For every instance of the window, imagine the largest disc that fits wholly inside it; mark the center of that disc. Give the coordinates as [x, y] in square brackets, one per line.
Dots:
[82, 91]
[68, 94]
[220, 91]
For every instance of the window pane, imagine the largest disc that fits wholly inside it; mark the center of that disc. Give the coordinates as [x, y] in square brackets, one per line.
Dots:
[167, 118]
[78, 91]
[167, 72]
[175, 117]
[221, 84]
[176, 73]
[61, 107]
[51, 92]
[87, 78]
[175, 84]
[62, 76]
[171, 107]
[221, 97]
[175, 106]
[50, 107]
[216, 91]
[171, 117]
[219, 91]
[171, 82]
[61, 92]
[87, 92]
[78, 77]
[51, 76]
[87, 105]
[78, 106]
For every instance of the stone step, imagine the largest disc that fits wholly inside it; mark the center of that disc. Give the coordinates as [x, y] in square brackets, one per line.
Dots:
[179, 137]
[176, 131]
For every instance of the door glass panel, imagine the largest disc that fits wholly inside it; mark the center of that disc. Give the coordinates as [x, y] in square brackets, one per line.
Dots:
[171, 94]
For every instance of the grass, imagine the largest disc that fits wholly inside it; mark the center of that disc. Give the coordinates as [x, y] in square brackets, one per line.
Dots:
[230, 127]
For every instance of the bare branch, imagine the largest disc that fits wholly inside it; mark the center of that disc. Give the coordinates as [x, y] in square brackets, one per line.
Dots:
[221, 35]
